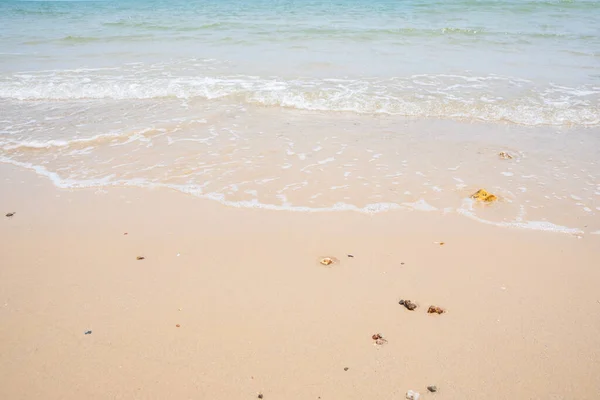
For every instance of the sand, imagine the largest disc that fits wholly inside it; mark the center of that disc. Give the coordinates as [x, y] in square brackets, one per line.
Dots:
[257, 313]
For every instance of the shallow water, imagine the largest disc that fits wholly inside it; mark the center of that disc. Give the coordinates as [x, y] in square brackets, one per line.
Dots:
[313, 105]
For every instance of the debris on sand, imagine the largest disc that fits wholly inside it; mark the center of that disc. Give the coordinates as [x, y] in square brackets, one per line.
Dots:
[346, 368]
[350, 256]
[178, 326]
[412, 395]
[260, 396]
[483, 195]
[87, 332]
[408, 304]
[379, 340]
[435, 310]
[139, 258]
[440, 243]
[10, 214]
[505, 156]
[432, 389]
[327, 260]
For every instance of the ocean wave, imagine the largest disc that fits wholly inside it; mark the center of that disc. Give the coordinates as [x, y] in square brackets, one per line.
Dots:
[466, 210]
[483, 98]
[197, 191]
[152, 26]
[81, 40]
[9, 145]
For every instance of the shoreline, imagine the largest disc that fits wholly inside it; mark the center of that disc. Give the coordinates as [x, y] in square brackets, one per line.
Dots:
[316, 162]
[259, 314]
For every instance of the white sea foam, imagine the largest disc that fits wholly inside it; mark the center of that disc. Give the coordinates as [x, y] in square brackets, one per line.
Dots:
[408, 96]
[8, 144]
[467, 210]
[200, 190]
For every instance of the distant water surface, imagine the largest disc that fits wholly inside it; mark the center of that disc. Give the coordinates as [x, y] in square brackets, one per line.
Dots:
[529, 62]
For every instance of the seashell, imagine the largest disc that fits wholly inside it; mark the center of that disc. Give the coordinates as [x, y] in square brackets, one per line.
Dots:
[327, 261]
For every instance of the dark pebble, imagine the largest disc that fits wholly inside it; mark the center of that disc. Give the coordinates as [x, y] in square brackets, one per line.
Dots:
[87, 333]
[260, 396]
[408, 304]
[346, 369]
[350, 256]
[432, 389]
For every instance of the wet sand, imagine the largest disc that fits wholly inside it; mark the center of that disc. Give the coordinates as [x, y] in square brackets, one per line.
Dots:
[259, 314]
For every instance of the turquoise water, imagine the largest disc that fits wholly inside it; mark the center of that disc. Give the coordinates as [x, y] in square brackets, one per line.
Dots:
[525, 62]
[361, 105]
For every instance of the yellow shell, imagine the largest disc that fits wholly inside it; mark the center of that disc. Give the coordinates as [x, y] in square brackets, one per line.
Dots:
[484, 196]
[327, 260]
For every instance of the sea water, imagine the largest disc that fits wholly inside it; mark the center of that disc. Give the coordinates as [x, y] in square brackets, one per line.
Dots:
[313, 105]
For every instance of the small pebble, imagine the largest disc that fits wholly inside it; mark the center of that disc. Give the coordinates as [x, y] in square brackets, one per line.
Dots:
[260, 396]
[87, 333]
[10, 214]
[435, 310]
[432, 389]
[178, 325]
[408, 304]
[139, 258]
[350, 256]
[412, 395]
[379, 340]
[346, 369]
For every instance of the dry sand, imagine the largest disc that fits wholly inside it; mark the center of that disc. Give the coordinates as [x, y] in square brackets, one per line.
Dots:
[257, 313]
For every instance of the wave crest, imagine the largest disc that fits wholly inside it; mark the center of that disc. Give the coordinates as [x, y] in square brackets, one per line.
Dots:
[489, 98]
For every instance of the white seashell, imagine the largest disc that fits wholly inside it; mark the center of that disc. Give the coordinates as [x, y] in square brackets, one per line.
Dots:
[411, 395]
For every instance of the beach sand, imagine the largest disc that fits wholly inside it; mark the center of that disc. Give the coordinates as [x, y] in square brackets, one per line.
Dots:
[257, 313]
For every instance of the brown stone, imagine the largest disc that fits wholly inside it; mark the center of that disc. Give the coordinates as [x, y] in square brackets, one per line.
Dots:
[408, 304]
[435, 310]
